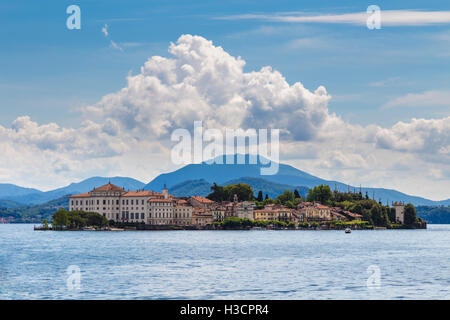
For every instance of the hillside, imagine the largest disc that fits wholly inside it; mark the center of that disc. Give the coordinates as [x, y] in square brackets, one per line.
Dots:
[202, 187]
[438, 215]
[40, 197]
[35, 213]
[287, 175]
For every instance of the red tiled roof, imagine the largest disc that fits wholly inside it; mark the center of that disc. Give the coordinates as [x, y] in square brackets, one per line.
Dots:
[202, 199]
[81, 195]
[141, 194]
[108, 187]
[352, 214]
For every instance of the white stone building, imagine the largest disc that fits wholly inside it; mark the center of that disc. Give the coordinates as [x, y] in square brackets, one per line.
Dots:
[147, 207]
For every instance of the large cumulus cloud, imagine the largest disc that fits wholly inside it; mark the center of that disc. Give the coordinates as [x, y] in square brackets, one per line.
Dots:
[203, 82]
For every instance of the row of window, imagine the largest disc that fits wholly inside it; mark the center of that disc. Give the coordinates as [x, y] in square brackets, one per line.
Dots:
[124, 202]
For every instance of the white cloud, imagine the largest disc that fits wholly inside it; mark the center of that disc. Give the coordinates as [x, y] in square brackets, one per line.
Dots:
[431, 98]
[105, 30]
[388, 18]
[430, 137]
[112, 43]
[202, 81]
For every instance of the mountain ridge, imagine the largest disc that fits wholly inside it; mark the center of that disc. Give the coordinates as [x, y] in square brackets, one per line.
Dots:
[287, 176]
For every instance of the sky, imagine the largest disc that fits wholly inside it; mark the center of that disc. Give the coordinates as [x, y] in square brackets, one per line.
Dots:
[361, 106]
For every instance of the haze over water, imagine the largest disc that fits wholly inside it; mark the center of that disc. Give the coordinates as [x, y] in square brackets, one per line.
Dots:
[413, 264]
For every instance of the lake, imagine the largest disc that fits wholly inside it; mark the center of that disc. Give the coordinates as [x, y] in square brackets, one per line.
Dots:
[381, 264]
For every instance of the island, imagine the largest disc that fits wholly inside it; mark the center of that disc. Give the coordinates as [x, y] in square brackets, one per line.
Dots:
[231, 207]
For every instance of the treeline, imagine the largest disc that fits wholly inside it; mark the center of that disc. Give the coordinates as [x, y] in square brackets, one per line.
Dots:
[372, 211]
[75, 220]
[234, 223]
[245, 192]
[35, 213]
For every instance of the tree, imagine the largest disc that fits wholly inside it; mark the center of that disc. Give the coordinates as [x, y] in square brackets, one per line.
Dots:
[320, 193]
[379, 216]
[60, 219]
[45, 224]
[267, 197]
[285, 197]
[410, 214]
[260, 196]
[217, 194]
[243, 191]
[296, 194]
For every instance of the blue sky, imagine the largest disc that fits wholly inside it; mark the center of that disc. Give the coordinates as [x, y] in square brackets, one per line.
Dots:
[374, 77]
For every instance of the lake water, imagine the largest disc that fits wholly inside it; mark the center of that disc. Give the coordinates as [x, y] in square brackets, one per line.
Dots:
[387, 264]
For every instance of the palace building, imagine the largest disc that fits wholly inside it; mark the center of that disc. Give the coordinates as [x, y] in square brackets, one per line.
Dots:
[119, 205]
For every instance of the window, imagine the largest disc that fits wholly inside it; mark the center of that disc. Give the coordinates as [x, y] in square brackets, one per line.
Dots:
[132, 215]
[142, 215]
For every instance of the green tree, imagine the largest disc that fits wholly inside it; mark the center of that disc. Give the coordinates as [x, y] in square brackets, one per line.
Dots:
[285, 197]
[296, 194]
[60, 219]
[267, 197]
[260, 196]
[243, 191]
[321, 193]
[410, 214]
[45, 224]
[379, 216]
[217, 194]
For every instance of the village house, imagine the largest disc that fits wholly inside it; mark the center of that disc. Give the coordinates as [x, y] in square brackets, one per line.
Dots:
[272, 212]
[314, 212]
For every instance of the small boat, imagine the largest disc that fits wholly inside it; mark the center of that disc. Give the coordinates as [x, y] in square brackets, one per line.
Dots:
[88, 229]
[348, 230]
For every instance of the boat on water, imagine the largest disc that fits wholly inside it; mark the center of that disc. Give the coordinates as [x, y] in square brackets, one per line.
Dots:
[348, 230]
[88, 229]
[115, 229]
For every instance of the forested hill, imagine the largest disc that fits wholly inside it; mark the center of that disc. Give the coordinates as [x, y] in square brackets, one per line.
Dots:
[437, 215]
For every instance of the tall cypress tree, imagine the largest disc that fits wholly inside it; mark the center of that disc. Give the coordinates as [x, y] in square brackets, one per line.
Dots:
[260, 196]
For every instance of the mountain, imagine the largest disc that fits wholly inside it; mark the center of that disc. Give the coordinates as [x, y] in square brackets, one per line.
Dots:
[39, 197]
[35, 213]
[11, 190]
[10, 204]
[438, 215]
[202, 187]
[190, 188]
[221, 173]
[287, 175]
